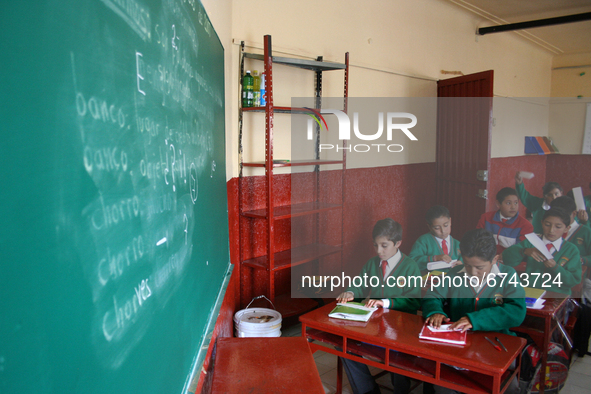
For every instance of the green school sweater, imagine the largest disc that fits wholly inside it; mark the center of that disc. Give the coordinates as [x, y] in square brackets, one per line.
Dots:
[588, 206]
[581, 238]
[405, 299]
[534, 204]
[426, 248]
[498, 306]
[567, 269]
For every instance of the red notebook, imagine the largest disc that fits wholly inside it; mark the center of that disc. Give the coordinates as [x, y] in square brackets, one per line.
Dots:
[443, 334]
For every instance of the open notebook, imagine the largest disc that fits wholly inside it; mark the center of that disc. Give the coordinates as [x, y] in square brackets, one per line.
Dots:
[352, 311]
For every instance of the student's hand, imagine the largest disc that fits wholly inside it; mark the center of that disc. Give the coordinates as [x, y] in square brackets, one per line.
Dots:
[436, 319]
[582, 216]
[457, 262]
[534, 254]
[518, 178]
[550, 263]
[442, 257]
[345, 297]
[463, 324]
[374, 304]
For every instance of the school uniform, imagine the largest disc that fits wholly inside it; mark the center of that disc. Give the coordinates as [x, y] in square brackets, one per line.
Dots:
[588, 206]
[495, 305]
[427, 246]
[536, 205]
[567, 268]
[580, 236]
[405, 298]
[507, 231]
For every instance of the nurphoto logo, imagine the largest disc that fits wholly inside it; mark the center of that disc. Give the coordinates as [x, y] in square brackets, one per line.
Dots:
[344, 123]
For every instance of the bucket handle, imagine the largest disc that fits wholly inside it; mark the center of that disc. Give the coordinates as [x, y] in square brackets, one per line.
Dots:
[258, 298]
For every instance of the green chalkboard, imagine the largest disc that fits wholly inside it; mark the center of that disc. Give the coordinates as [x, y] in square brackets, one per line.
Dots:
[114, 235]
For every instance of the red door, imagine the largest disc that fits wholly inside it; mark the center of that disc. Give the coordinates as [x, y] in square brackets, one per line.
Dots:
[464, 119]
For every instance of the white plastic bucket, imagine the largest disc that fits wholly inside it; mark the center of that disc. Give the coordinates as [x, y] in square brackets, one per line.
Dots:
[257, 322]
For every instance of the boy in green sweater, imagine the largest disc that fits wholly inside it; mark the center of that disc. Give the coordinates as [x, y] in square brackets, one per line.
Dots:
[492, 304]
[557, 274]
[387, 266]
[495, 303]
[580, 236]
[537, 205]
[437, 244]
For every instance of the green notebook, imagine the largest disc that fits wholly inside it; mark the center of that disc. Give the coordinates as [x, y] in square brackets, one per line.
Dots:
[352, 311]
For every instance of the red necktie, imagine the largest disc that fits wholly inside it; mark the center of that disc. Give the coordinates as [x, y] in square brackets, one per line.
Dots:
[504, 220]
[384, 267]
[549, 246]
[444, 247]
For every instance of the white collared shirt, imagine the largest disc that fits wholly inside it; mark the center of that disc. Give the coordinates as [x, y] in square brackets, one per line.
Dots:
[392, 263]
[440, 242]
[557, 244]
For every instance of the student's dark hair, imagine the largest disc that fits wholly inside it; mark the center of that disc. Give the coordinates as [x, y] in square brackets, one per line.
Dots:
[570, 194]
[558, 213]
[504, 193]
[435, 212]
[479, 243]
[388, 228]
[565, 203]
[548, 187]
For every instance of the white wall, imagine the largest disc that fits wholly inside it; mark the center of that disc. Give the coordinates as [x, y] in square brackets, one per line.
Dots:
[397, 49]
[571, 91]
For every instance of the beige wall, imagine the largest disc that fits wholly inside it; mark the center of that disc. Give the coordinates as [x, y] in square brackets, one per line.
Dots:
[571, 78]
[397, 49]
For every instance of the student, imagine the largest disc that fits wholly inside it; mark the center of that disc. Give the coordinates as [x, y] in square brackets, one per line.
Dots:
[582, 215]
[537, 205]
[437, 244]
[586, 215]
[505, 224]
[491, 304]
[561, 272]
[389, 264]
[580, 236]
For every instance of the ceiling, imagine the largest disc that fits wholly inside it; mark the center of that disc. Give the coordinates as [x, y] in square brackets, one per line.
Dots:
[559, 39]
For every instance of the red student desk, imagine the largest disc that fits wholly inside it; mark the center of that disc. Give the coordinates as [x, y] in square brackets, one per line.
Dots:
[540, 324]
[265, 366]
[390, 341]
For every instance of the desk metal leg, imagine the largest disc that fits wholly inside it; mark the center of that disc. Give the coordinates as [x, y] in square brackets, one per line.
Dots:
[339, 376]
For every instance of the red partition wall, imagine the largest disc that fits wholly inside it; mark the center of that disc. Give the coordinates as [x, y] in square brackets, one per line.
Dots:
[570, 171]
[402, 192]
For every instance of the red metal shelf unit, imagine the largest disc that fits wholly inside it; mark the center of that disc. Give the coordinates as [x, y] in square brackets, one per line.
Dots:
[275, 261]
